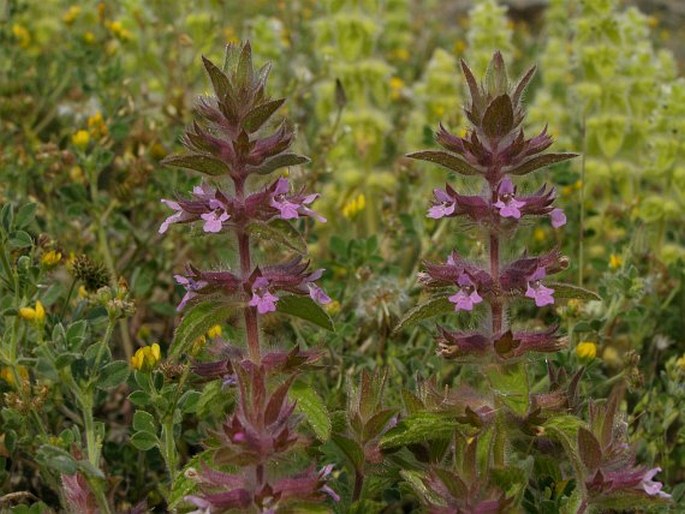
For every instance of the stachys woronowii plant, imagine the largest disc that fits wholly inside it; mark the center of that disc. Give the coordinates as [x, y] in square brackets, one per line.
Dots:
[478, 447]
[231, 145]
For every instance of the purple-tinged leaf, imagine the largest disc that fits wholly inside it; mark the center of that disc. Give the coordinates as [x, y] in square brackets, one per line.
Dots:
[451, 162]
[259, 115]
[540, 161]
[198, 162]
[377, 423]
[521, 86]
[568, 291]
[244, 70]
[589, 449]
[498, 119]
[280, 161]
[220, 81]
[275, 404]
[351, 449]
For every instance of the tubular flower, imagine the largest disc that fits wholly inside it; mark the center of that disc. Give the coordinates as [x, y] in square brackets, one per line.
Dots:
[262, 298]
[467, 296]
[507, 204]
[293, 206]
[537, 291]
[444, 205]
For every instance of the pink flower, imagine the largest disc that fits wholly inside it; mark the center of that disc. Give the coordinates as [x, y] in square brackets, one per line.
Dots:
[651, 487]
[262, 298]
[214, 219]
[444, 206]
[508, 205]
[467, 296]
[291, 207]
[558, 218]
[538, 292]
[191, 289]
[176, 217]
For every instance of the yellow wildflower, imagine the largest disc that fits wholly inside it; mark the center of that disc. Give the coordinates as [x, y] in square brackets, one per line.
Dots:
[51, 258]
[97, 126]
[333, 307]
[22, 35]
[680, 363]
[146, 358]
[82, 292]
[587, 350]
[7, 375]
[354, 206]
[35, 314]
[117, 29]
[81, 139]
[615, 261]
[71, 14]
[89, 37]
[459, 46]
[396, 86]
[214, 332]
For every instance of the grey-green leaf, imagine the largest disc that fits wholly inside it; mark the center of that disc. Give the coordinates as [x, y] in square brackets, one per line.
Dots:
[258, 116]
[310, 404]
[219, 80]
[571, 292]
[198, 162]
[280, 161]
[144, 441]
[304, 307]
[498, 119]
[435, 306]
[281, 231]
[446, 160]
[113, 374]
[419, 428]
[541, 161]
[144, 422]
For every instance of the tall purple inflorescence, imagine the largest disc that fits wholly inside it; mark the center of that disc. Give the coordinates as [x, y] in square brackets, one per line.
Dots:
[229, 145]
[496, 150]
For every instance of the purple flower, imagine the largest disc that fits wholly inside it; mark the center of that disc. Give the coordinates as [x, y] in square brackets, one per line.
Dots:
[291, 207]
[176, 217]
[558, 218]
[444, 206]
[508, 205]
[315, 292]
[214, 219]
[541, 294]
[262, 298]
[651, 487]
[191, 287]
[467, 296]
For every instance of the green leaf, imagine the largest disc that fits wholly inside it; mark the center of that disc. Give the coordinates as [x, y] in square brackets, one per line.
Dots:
[446, 160]
[435, 306]
[220, 81]
[281, 231]
[113, 374]
[197, 320]
[198, 162]
[351, 449]
[568, 291]
[144, 422]
[541, 161]
[498, 119]
[56, 458]
[305, 308]
[419, 428]
[280, 161]
[140, 398]
[510, 383]
[188, 401]
[185, 483]
[144, 441]
[415, 480]
[309, 403]
[89, 470]
[20, 239]
[25, 215]
[258, 116]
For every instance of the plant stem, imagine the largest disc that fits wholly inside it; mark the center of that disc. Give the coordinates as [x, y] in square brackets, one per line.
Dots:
[496, 303]
[358, 485]
[169, 447]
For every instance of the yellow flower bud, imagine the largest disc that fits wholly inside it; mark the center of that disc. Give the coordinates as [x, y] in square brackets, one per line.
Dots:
[146, 358]
[40, 312]
[81, 139]
[51, 258]
[615, 261]
[89, 38]
[214, 332]
[22, 35]
[587, 350]
[34, 314]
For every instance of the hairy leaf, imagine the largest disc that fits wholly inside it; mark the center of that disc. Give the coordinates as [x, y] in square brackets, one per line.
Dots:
[304, 307]
[281, 231]
[435, 306]
[310, 404]
[589, 449]
[510, 384]
[446, 160]
[198, 162]
[351, 449]
[113, 374]
[220, 81]
[498, 119]
[541, 161]
[258, 116]
[197, 320]
[419, 428]
[280, 161]
[568, 291]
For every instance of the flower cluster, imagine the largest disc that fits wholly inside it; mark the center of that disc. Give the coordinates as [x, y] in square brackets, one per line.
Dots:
[146, 358]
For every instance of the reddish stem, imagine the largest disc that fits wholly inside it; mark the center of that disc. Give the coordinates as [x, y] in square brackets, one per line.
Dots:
[496, 303]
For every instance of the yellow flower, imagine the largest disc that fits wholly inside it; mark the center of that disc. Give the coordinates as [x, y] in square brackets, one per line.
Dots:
[35, 314]
[615, 261]
[97, 126]
[22, 35]
[587, 350]
[396, 86]
[82, 292]
[333, 307]
[539, 234]
[89, 38]
[7, 375]
[71, 14]
[680, 363]
[214, 332]
[51, 258]
[81, 139]
[459, 47]
[146, 358]
[354, 206]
